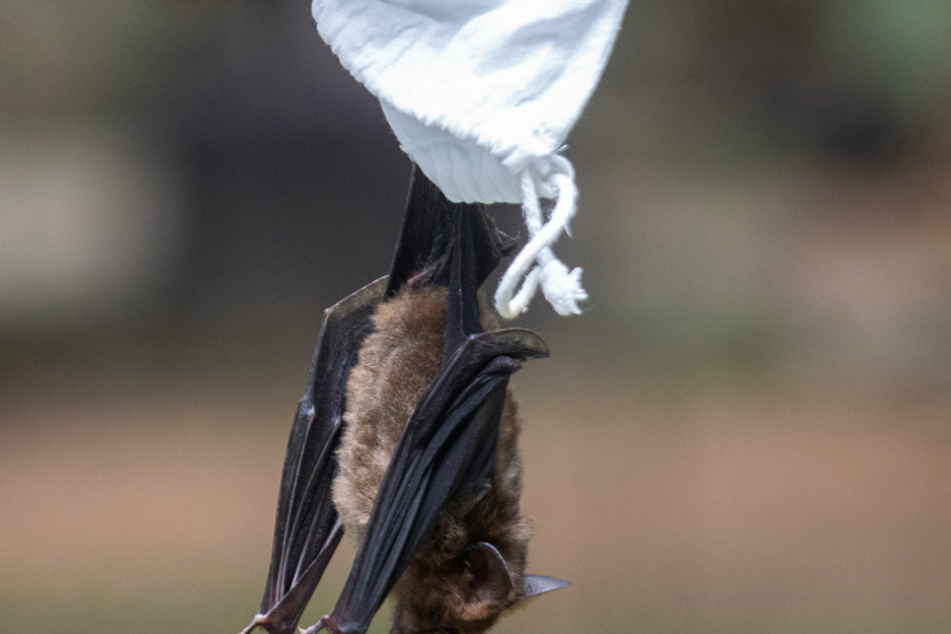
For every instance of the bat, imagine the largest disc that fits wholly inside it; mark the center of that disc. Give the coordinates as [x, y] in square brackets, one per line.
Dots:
[406, 439]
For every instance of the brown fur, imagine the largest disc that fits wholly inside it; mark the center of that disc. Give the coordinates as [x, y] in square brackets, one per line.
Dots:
[397, 363]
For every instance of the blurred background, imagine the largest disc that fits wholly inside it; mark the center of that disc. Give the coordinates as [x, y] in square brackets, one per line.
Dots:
[747, 431]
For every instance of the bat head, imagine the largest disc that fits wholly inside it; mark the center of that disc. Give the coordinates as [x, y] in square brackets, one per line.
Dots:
[467, 599]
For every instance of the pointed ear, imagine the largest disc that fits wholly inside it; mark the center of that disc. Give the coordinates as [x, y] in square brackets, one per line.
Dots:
[488, 576]
[540, 584]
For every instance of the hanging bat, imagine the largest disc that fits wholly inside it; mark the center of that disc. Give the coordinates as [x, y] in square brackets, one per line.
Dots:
[406, 439]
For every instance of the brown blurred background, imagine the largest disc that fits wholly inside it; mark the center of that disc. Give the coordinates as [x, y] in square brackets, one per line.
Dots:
[748, 431]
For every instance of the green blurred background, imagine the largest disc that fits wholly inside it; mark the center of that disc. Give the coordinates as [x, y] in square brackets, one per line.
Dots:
[747, 431]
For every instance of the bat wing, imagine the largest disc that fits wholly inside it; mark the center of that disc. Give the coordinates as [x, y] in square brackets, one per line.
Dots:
[306, 529]
[450, 440]
[449, 444]
[430, 232]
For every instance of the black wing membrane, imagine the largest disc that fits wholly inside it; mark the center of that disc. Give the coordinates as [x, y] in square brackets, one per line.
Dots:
[449, 444]
[306, 529]
[450, 440]
[424, 203]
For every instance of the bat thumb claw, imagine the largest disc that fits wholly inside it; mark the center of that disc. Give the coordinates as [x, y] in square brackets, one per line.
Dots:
[259, 619]
[325, 623]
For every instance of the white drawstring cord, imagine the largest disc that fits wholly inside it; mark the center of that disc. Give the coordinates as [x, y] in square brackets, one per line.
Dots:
[561, 287]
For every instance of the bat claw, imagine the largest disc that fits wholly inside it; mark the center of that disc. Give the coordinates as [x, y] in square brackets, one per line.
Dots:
[326, 622]
[259, 619]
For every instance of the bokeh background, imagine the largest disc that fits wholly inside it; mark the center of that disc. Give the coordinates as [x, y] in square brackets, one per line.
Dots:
[749, 430]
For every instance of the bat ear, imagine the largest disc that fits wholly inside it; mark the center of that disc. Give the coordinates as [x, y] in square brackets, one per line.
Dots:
[489, 582]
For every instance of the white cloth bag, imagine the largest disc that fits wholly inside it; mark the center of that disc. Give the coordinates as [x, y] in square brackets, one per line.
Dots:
[481, 95]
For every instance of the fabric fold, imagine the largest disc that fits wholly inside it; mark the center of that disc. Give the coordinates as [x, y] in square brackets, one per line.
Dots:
[482, 94]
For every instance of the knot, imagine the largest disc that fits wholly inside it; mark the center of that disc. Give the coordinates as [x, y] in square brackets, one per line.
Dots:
[536, 262]
[562, 288]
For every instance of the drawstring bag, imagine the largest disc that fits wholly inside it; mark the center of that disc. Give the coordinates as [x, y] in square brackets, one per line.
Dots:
[481, 95]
